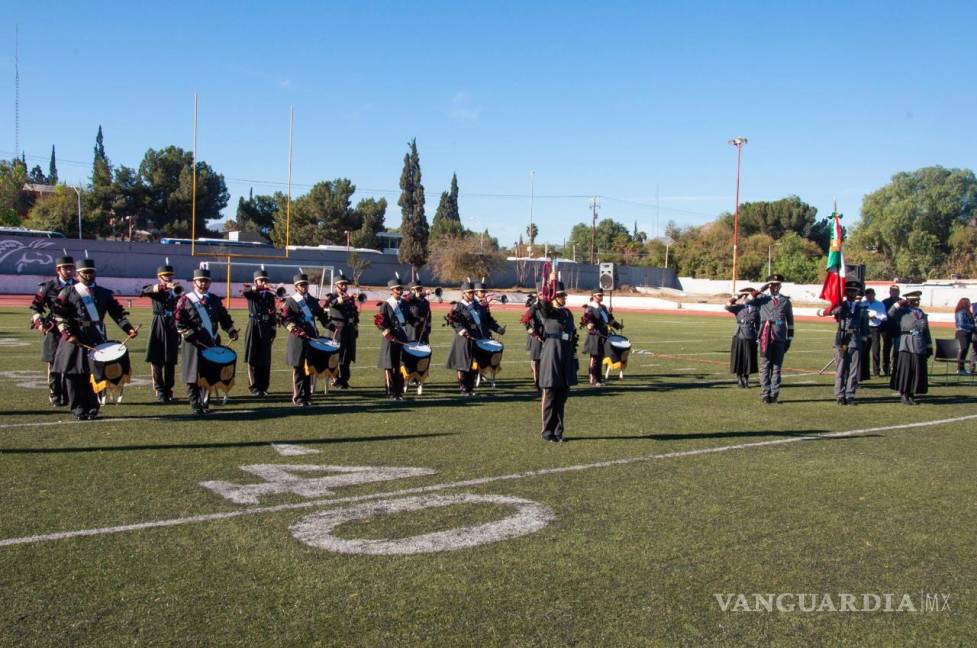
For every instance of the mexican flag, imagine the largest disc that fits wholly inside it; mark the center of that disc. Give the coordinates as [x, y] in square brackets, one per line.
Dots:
[834, 284]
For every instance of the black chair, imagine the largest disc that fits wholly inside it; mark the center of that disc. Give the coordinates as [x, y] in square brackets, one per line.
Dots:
[946, 352]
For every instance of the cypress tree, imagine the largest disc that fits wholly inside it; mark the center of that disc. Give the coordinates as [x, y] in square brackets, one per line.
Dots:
[414, 228]
[52, 169]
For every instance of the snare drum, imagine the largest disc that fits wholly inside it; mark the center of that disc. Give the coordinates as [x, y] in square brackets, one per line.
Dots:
[487, 356]
[322, 357]
[416, 361]
[617, 351]
[110, 368]
[216, 367]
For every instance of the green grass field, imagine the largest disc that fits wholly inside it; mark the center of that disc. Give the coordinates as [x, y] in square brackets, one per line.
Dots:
[645, 517]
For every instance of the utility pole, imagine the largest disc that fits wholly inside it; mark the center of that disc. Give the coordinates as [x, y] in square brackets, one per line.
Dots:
[16, 90]
[594, 206]
[738, 142]
[532, 199]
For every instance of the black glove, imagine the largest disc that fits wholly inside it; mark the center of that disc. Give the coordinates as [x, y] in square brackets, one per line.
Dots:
[787, 345]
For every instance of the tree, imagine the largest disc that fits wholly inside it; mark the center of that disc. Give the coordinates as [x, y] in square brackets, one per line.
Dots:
[357, 266]
[57, 211]
[776, 218]
[101, 168]
[962, 259]
[370, 214]
[168, 175]
[797, 258]
[447, 219]
[906, 223]
[532, 232]
[37, 176]
[256, 214]
[128, 201]
[612, 238]
[414, 227]
[52, 169]
[15, 203]
[473, 255]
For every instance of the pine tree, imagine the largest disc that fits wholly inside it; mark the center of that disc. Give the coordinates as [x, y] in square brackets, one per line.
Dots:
[52, 169]
[101, 169]
[447, 220]
[414, 228]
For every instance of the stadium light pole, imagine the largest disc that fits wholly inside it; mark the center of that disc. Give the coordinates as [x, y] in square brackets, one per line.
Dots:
[738, 142]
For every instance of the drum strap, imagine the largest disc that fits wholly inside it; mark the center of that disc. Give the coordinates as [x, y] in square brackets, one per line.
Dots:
[198, 304]
[601, 311]
[89, 302]
[473, 312]
[306, 311]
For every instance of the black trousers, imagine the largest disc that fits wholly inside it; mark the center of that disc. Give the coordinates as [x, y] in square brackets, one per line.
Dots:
[56, 390]
[301, 386]
[342, 380]
[466, 381]
[393, 381]
[596, 366]
[554, 405]
[195, 394]
[875, 339]
[82, 398]
[259, 378]
[890, 352]
[964, 338]
[163, 377]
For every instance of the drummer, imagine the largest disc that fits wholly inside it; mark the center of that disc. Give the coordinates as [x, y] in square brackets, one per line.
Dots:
[164, 342]
[258, 339]
[488, 323]
[79, 312]
[198, 315]
[465, 318]
[299, 313]
[392, 322]
[598, 321]
[43, 320]
[344, 318]
[418, 313]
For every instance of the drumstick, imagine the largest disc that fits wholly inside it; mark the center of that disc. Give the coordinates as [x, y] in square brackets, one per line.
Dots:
[126, 341]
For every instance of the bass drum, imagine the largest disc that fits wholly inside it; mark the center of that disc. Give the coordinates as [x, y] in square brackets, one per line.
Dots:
[617, 351]
[487, 358]
[322, 357]
[216, 367]
[416, 361]
[110, 368]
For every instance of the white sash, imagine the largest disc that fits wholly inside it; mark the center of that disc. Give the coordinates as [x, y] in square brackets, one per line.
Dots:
[600, 311]
[473, 311]
[395, 304]
[306, 312]
[202, 312]
[86, 299]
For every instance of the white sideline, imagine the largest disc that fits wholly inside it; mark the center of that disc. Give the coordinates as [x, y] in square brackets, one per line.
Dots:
[259, 510]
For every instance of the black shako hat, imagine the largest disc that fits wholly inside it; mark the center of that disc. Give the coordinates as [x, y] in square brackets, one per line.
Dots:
[259, 274]
[560, 289]
[86, 264]
[467, 286]
[201, 273]
[300, 278]
[164, 269]
[61, 262]
[775, 278]
[340, 278]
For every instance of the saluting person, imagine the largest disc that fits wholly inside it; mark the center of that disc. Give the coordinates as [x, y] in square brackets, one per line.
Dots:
[465, 319]
[909, 377]
[558, 362]
[849, 343]
[776, 335]
[260, 334]
[43, 320]
[199, 316]
[743, 349]
[79, 311]
[598, 321]
[391, 320]
[344, 318]
[299, 314]
[163, 346]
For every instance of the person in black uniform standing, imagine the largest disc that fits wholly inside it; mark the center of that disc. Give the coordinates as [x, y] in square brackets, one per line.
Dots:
[890, 334]
[299, 313]
[199, 316]
[418, 314]
[743, 349]
[909, 376]
[344, 318]
[79, 312]
[598, 321]
[558, 362]
[260, 335]
[465, 319]
[534, 337]
[43, 320]
[163, 346]
[849, 344]
[391, 320]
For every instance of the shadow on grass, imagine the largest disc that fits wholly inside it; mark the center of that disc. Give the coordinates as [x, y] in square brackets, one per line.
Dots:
[814, 435]
[224, 444]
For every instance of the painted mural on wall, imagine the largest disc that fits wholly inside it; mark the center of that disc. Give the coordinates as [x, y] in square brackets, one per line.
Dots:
[27, 257]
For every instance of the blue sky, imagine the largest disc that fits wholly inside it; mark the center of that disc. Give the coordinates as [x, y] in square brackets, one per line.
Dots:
[623, 100]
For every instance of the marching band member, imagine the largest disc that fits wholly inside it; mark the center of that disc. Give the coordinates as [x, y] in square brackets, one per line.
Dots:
[915, 347]
[488, 323]
[743, 350]
[776, 335]
[598, 321]
[43, 320]
[299, 313]
[260, 335]
[199, 315]
[345, 325]
[163, 345]
[534, 337]
[558, 362]
[79, 312]
[849, 343]
[418, 314]
[465, 318]
[391, 320]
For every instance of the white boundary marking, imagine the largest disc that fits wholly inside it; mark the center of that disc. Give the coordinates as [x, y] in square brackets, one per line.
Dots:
[292, 450]
[260, 510]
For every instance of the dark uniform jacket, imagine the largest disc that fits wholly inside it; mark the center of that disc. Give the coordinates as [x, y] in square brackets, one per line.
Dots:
[300, 327]
[164, 342]
[43, 305]
[488, 323]
[534, 332]
[747, 321]
[776, 316]
[262, 325]
[195, 336]
[852, 325]
[390, 345]
[463, 316]
[344, 322]
[418, 319]
[558, 361]
[891, 327]
[601, 318]
[74, 320]
[914, 332]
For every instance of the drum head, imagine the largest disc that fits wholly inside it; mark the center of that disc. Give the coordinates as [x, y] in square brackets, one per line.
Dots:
[417, 349]
[109, 352]
[492, 346]
[619, 342]
[219, 354]
[324, 344]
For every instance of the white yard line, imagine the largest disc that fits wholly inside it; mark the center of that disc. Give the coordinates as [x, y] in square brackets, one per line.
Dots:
[469, 483]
